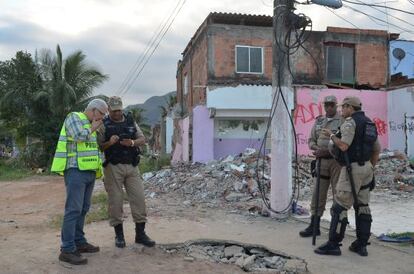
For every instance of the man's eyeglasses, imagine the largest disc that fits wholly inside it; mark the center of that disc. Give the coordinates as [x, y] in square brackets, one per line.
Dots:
[100, 112]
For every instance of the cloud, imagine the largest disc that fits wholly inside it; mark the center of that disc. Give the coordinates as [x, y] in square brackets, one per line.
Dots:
[114, 33]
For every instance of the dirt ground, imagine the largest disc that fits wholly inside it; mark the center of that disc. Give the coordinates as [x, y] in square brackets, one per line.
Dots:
[29, 245]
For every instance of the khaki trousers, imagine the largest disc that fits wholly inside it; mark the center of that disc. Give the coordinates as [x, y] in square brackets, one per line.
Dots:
[330, 170]
[125, 176]
[362, 176]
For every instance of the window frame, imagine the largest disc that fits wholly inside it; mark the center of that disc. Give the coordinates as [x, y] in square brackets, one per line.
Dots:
[340, 45]
[250, 47]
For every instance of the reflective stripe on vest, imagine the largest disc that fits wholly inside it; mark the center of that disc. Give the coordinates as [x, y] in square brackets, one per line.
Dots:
[87, 155]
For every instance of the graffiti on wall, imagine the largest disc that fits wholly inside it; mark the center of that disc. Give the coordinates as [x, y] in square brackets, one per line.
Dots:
[309, 106]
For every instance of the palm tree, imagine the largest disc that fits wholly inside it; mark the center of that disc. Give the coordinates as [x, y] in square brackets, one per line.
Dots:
[69, 83]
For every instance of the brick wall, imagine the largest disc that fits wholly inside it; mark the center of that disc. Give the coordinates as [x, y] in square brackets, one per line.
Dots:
[222, 52]
[371, 64]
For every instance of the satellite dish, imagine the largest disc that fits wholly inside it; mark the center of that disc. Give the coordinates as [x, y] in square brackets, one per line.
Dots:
[398, 53]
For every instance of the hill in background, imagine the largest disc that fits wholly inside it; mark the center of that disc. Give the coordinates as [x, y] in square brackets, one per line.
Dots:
[151, 107]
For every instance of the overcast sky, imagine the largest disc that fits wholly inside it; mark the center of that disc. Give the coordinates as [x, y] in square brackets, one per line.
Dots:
[114, 33]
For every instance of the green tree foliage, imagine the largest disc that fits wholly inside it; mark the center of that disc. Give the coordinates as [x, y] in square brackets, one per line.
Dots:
[19, 84]
[37, 94]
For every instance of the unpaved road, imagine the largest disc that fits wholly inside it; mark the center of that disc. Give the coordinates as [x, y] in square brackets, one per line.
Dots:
[29, 245]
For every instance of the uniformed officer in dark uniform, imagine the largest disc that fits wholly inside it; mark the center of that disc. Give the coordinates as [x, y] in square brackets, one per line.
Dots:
[358, 148]
[119, 139]
[330, 168]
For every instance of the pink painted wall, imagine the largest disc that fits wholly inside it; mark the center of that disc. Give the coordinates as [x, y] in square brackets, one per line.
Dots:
[309, 106]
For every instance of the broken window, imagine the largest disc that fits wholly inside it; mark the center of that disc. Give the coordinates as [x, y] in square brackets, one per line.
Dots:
[240, 128]
[249, 59]
[340, 64]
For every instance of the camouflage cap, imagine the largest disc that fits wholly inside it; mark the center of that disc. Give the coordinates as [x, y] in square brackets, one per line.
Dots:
[115, 103]
[330, 99]
[352, 101]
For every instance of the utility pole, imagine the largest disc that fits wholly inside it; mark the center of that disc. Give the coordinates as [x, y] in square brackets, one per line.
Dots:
[282, 139]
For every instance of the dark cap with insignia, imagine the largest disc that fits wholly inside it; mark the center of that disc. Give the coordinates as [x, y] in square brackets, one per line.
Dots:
[330, 99]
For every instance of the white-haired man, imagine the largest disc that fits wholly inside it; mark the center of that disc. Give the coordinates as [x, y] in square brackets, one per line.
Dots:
[77, 159]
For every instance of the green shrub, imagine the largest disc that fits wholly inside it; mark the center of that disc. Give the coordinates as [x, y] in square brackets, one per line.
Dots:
[151, 163]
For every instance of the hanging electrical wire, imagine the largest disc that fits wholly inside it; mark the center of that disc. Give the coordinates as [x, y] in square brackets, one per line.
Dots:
[376, 18]
[147, 57]
[336, 14]
[295, 37]
[390, 15]
[379, 6]
[149, 45]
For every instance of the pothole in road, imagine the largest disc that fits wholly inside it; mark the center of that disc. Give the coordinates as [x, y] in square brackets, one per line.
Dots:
[249, 257]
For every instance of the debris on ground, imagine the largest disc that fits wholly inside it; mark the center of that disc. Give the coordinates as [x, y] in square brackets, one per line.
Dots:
[251, 258]
[396, 238]
[235, 180]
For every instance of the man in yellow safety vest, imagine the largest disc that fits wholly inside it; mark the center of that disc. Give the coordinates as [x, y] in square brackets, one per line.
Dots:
[77, 159]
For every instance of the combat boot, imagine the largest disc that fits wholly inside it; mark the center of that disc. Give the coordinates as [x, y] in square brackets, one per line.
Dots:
[363, 231]
[359, 248]
[338, 222]
[329, 248]
[119, 236]
[141, 237]
[308, 232]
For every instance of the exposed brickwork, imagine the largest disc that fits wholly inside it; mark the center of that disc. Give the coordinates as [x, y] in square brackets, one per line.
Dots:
[210, 58]
[225, 54]
[357, 31]
[371, 65]
[199, 73]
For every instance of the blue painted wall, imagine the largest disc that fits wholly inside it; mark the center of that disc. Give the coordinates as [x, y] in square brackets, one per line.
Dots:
[406, 66]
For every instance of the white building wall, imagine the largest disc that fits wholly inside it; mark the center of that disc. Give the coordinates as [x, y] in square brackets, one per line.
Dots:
[169, 131]
[400, 103]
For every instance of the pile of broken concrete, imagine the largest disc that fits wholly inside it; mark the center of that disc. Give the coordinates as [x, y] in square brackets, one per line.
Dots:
[238, 179]
[232, 179]
[251, 258]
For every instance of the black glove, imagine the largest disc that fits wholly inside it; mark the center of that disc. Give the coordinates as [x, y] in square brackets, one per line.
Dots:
[372, 184]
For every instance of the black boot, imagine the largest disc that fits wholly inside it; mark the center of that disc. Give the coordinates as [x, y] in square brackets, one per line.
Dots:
[329, 248]
[119, 236]
[338, 221]
[363, 232]
[308, 232]
[359, 248]
[141, 237]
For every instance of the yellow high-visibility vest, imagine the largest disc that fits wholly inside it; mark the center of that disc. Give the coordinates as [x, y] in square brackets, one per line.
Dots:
[87, 152]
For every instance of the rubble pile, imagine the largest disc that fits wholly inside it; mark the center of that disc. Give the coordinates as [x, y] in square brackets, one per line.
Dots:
[395, 172]
[231, 179]
[251, 258]
[234, 179]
